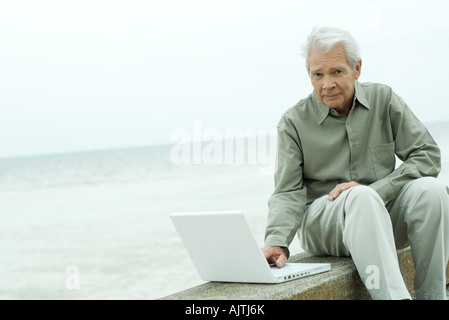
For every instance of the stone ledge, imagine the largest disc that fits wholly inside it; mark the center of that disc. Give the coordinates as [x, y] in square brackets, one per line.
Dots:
[341, 283]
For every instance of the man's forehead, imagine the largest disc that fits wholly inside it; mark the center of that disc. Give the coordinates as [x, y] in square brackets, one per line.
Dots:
[331, 67]
[336, 57]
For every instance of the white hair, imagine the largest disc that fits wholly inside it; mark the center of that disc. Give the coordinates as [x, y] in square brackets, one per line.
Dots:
[326, 38]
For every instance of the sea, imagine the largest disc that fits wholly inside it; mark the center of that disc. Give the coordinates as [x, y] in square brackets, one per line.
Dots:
[95, 225]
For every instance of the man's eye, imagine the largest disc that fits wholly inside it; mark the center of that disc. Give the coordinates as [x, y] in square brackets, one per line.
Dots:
[317, 74]
[338, 72]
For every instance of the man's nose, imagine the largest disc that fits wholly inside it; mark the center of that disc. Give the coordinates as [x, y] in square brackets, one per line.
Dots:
[328, 83]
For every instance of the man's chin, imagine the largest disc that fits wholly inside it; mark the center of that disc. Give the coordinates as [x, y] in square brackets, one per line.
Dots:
[332, 103]
[334, 106]
[338, 108]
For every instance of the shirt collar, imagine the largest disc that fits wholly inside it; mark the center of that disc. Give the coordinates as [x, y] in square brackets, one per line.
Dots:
[360, 95]
[323, 110]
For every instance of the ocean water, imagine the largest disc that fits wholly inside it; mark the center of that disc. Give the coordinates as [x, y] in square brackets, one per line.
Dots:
[95, 225]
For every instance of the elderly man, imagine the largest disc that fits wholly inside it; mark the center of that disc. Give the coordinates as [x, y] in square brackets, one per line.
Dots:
[337, 185]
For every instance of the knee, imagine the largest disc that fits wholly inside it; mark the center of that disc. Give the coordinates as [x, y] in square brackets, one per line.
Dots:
[363, 193]
[365, 211]
[430, 189]
[431, 196]
[363, 197]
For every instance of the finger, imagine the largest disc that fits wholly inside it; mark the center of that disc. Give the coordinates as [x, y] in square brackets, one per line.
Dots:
[271, 254]
[281, 260]
[335, 192]
[340, 188]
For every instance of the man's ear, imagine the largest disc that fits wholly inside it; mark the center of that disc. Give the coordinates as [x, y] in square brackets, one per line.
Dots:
[358, 69]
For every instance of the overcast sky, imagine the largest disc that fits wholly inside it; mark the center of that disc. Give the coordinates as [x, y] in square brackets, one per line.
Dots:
[86, 75]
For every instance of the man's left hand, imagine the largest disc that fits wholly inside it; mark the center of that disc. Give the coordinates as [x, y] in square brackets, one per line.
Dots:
[339, 188]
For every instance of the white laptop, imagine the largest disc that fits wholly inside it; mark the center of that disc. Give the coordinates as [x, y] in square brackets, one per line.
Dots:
[222, 248]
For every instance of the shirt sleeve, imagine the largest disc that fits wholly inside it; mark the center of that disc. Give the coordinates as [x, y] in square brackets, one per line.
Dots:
[414, 146]
[288, 201]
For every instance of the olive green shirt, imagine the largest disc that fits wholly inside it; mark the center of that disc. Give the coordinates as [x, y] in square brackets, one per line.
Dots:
[318, 149]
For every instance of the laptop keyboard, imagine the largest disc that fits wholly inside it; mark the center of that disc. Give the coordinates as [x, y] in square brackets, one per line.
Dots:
[286, 272]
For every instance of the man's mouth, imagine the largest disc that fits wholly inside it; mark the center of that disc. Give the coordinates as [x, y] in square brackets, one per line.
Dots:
[331, 96]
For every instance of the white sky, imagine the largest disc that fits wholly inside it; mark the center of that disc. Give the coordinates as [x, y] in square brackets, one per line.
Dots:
[85, 75]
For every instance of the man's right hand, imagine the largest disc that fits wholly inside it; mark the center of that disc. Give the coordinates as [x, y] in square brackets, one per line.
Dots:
[275, 255]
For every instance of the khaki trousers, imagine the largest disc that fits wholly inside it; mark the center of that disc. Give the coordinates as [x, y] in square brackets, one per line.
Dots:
[360, 225]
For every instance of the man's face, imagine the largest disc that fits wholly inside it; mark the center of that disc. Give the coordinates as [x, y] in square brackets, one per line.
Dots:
[333, 78]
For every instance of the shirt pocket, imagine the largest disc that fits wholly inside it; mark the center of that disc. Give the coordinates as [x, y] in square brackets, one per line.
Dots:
[384, 159]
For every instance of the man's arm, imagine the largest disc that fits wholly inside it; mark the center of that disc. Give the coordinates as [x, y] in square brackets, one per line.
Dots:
[288, 201]
[413, 145]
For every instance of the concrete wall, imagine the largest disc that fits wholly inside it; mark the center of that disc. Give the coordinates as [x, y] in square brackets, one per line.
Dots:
[341, 283]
